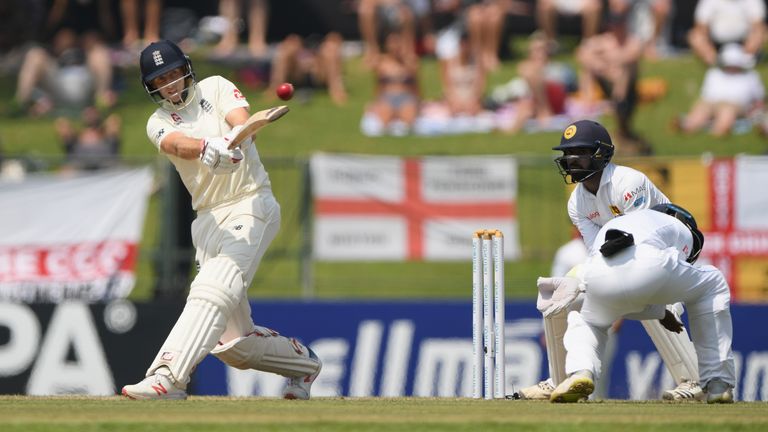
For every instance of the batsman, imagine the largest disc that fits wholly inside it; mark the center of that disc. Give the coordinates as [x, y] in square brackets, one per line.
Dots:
[603, 192]
[237, 219]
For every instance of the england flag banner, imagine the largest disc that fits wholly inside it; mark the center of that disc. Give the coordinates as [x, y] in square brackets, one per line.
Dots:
[65, 238]
[391, 209]
[737, 239]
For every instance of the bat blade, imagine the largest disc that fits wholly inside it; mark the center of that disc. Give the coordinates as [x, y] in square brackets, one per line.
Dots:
[256, 122]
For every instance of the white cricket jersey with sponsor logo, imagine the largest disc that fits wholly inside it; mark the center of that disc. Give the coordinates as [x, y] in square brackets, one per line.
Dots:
[205, 117]
[622, 190]
[653, 228]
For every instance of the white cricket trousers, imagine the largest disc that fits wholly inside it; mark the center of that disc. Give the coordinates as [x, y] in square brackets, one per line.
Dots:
[241, 232]
[642, 276]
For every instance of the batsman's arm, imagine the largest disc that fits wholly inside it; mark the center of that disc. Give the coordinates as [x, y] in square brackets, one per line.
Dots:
[237, 116]
[180, 145]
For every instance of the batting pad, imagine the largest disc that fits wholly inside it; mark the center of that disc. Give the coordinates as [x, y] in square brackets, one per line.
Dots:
[268, 351]
[213, 295]
[676, 349]
[554, 330]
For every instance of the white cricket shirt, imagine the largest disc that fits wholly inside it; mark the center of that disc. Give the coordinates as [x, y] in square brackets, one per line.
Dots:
[653, 228]
[622, 190]
[729, 20]
[205, 117]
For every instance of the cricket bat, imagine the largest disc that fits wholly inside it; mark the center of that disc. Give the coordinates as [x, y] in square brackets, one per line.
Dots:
[256, 122]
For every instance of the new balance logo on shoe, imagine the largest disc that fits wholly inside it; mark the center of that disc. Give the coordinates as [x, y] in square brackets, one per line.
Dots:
[160, 389]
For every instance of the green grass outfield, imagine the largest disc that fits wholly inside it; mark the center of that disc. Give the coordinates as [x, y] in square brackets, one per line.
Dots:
[62, 414]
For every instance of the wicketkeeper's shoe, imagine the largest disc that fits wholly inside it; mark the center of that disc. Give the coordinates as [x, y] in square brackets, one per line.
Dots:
[686, 391]
[299, 388]
[540, 391]
[718, 391]
[157, 386]
[575, 388]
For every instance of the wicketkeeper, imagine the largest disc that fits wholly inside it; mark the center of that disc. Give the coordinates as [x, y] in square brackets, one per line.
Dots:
[603, 192]
[237, 219]
[652, 253]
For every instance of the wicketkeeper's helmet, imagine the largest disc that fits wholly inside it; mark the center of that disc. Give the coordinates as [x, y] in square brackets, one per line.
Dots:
[687, 219]
[579, 135]
[159, 58]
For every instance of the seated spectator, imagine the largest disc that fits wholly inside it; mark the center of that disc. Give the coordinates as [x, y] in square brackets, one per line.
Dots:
[132, 36]
[397, 87]
[545, 98]
[463, 78]
[68, 77]
[485, 21]
[612, 60]
[731, 90]
[94, 146]
[659, 11]
[547, 12]
[718, 22]
[92, 24]
[376, 18]
[257, 13]
[308, 64]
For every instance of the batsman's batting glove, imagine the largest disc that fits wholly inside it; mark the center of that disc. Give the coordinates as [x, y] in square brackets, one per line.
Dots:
[565, 291]
[215, 155]
[233, 133]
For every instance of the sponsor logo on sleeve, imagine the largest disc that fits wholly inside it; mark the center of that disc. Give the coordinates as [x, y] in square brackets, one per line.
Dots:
[239, 94]
[593, 215]
[629, 195]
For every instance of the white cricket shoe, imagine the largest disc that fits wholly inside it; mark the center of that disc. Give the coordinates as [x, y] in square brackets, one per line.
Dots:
[540, 391]
[686, 391]
[299, 388]
[718, 391]
[157, 386]
[575, 388]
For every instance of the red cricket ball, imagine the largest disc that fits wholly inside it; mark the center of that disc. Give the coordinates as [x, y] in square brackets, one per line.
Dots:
[285, 91]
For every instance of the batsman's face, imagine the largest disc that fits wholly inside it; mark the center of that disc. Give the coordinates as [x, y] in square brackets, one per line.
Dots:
[170, 85]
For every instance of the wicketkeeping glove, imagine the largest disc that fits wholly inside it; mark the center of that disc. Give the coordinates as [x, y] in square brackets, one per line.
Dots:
[215, 155]
[565, 290]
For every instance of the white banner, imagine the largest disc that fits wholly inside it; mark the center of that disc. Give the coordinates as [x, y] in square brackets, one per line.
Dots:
[389, 208]
[751, 201]
[71, 237]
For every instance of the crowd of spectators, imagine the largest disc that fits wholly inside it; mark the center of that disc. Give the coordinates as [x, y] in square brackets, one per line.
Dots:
[67, 60]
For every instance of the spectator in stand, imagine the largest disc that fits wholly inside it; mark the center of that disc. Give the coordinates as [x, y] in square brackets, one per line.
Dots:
[258, 16]
[718, 22]
[64, 78]
[545, 98]
[95, 146]
[92, 22]
[463, 77]
[547, 12]
[485, 22]
[398, 97]
[612, 60]
[731, 90]
[310, 63]
[376, 18]
[659, 10]
[132, 36]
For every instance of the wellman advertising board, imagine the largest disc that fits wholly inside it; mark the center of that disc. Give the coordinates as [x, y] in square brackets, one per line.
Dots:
[368, 349]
